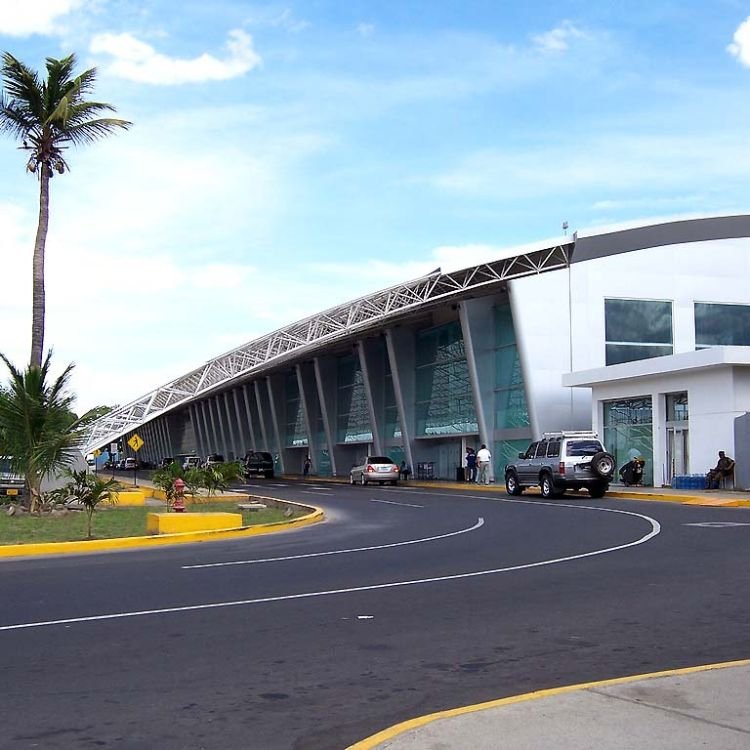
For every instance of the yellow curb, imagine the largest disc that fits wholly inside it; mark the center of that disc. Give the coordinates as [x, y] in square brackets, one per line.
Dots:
[372, 742]
[134, 542]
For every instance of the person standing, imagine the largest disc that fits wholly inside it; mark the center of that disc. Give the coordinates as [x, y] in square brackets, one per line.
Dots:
[483, 461]
[306, 467]
[471, 465]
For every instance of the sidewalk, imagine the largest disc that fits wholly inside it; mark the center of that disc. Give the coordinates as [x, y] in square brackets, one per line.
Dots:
[703, 707]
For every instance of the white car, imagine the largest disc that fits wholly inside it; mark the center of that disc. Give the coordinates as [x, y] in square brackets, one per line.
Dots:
[191, 462]
[380, 469]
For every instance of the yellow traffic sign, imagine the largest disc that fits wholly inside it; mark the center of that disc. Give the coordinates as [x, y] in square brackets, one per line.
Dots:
[136, 442]
[97, 453]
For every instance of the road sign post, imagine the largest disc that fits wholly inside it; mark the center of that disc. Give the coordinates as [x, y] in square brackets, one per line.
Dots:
[136, 443]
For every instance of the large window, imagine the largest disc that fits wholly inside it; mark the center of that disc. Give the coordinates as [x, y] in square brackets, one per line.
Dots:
[295, 433]
[628, 432]
[353, 418]
[637, 329]
[721, 325]
[444, 401]
[510, 396]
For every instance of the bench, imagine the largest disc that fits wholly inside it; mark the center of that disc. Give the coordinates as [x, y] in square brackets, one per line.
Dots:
[251, 506]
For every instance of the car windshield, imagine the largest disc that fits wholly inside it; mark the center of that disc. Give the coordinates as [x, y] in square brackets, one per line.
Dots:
[379, 460]
[584, 447]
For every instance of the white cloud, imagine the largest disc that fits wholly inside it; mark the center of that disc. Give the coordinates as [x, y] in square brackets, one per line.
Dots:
[18, 18]
[740, 47]
[558, 39]
[138, 61]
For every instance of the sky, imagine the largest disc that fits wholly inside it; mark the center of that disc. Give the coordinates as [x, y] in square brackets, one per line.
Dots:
[286, 157]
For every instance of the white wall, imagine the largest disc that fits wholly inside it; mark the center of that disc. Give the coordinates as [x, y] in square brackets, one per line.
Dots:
[558, 332]
[713, 404]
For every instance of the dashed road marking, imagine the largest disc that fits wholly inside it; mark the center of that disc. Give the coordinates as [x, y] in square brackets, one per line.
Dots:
[390, 502]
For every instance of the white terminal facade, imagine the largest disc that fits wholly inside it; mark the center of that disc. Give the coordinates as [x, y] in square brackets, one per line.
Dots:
[641, 333]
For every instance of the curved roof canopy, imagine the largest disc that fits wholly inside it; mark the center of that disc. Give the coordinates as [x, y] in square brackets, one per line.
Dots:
[301, 338]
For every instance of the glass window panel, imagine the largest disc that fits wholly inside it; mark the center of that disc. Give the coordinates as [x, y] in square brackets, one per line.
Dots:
[353, 419]
[638, 321]
[677, 407]
[511, 410]
[444, 403]
[617, 353]
[722, 325]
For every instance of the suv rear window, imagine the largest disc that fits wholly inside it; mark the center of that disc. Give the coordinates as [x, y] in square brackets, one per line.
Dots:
[583, 447]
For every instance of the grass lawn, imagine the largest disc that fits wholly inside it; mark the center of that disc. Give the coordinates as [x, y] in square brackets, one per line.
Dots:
[111, 522]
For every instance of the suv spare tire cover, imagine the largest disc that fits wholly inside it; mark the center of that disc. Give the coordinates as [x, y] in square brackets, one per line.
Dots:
[603, 464]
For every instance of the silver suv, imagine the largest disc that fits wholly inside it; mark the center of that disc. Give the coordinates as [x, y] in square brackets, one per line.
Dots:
[562, 461]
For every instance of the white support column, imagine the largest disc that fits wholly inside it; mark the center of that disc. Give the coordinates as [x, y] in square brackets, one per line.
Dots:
[252, 426]
[327, 428]
[275, 422]
[241, 423]
[312, 448]
[374, 422]
[230, 427]
[480, 402]
[261, 416]
[405, 407]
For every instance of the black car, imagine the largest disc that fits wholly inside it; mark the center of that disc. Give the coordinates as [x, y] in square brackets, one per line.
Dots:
[258, 463]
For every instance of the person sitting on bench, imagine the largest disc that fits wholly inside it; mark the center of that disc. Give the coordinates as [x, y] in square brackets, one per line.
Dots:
[724, 468]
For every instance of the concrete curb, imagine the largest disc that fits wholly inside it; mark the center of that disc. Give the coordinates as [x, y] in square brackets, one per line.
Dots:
[372, 742]
[146, 542]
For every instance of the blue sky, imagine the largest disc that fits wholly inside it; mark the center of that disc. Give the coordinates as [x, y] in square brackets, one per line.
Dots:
[286, 157]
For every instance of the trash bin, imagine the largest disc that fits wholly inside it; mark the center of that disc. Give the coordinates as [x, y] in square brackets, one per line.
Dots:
[460, 476]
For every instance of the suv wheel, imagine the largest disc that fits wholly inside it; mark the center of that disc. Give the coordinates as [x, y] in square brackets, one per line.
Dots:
[598, 489]
[511, 484]
[548, 489]
[603, 464]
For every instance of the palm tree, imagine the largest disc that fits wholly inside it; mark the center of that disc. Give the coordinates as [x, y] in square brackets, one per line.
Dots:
[48, 116]
[38, 430]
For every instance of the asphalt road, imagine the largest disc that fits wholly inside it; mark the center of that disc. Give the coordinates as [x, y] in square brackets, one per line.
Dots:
[406, 601]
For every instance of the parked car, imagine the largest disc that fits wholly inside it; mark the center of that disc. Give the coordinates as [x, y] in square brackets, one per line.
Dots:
[11, 484]
[129, 464]
[165, 462]
[258, 463]
[562, 461]
[191, 462]
[379, 469]
[212, 460]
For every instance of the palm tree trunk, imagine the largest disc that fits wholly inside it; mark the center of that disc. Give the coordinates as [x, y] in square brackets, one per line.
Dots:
[37, 311]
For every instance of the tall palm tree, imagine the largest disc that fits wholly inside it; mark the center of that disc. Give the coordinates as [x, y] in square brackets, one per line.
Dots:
[48, 116]
[38, 429]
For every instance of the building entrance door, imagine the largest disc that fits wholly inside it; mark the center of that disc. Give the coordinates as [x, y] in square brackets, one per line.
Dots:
[677, 452]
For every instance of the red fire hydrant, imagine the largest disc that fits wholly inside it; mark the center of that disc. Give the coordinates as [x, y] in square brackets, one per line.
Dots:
[178, 504]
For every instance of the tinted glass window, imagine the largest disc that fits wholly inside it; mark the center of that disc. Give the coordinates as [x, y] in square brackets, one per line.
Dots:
[722, 325]
[553, 449]
[583, 447]
[532, 450]
[379, 460]
[637, 329]
[541, 449]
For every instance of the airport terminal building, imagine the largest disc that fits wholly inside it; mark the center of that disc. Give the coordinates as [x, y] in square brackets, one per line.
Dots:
[641, 333]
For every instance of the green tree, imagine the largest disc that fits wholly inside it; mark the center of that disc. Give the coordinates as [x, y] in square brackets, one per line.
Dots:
[89, 491]
[47, 117]
[38, 429]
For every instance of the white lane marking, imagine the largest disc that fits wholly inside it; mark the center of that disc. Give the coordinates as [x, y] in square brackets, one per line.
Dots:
[390, 502]
[312, 487]
[655, 529]
[477, 525]
[307, 492]
[716, 524]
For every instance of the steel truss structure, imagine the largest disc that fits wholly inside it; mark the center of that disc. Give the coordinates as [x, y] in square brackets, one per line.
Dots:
[316, 331]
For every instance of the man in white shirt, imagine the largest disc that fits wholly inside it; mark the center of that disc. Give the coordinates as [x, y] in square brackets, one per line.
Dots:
[483, 462]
